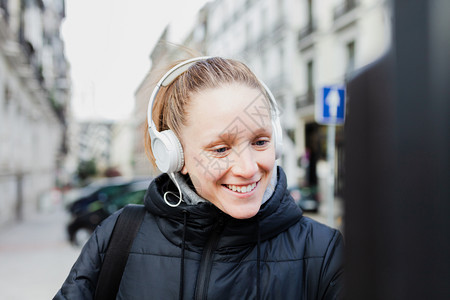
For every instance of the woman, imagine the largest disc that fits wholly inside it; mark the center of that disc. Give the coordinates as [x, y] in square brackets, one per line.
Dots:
[221, 209]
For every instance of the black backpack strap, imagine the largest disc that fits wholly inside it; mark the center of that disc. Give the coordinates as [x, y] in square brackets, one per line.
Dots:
[124, 232]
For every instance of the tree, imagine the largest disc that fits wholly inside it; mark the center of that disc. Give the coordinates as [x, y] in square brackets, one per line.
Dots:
[86, 169]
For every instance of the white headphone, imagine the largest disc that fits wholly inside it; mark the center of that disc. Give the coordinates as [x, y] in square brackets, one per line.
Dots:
[166, 147]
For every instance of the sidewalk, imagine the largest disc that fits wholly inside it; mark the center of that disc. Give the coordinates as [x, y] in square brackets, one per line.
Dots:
[35, 257]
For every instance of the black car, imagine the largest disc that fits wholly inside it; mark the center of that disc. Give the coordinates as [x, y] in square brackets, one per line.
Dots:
[78, 198]
[92, 209]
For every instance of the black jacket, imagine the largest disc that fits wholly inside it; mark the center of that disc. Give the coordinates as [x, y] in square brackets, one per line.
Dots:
[278, 254]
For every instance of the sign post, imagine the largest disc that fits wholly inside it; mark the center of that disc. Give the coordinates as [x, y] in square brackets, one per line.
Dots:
[330, 111]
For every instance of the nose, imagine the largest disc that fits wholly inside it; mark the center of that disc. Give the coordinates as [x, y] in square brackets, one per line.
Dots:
[245, 164]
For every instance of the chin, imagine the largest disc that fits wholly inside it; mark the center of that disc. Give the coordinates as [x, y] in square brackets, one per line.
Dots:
[245, 212]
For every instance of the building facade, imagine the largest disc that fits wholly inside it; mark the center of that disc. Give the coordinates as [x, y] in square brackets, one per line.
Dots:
[34, 94]
[162, 55]
[295, 47]
[333, 39]
[94, 143]
[122, 148]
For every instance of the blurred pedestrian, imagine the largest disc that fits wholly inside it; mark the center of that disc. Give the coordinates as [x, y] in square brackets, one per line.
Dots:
[219, 221]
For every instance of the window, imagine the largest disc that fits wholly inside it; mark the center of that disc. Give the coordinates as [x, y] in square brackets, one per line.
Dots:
[248, 33]
[281, 60]
[280, 9]
[263, 54]
[7, 97]
[310, 76]
[4, 7]
[310, 11]
[263, 21]
[350, 56]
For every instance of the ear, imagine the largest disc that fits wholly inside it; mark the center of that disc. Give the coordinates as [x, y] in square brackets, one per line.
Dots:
[184, 170]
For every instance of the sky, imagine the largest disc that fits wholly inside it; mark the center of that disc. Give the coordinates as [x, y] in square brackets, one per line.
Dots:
[108, 45]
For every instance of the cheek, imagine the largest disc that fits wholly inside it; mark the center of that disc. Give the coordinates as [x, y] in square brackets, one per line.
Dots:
[210, 168]
[203, 169]
[197, 183]
[267, 159]
[203, 176]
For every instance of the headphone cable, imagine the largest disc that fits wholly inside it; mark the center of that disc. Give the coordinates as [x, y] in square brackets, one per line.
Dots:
[172, 176]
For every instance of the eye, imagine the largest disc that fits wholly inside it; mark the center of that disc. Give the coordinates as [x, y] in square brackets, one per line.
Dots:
[261, 143]
[220, 150]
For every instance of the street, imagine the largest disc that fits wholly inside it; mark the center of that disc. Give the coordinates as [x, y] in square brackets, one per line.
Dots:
[35, 257]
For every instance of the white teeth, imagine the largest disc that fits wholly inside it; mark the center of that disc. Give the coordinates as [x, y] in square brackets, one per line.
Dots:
[241, 189]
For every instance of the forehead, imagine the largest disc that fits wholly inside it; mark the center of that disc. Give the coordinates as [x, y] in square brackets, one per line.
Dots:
[229, 106]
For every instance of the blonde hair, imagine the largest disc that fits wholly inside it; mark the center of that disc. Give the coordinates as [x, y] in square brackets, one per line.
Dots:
[169, 109]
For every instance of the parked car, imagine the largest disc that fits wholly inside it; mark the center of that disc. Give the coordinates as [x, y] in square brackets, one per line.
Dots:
[305, 197]
[92, 209]
[91, 191]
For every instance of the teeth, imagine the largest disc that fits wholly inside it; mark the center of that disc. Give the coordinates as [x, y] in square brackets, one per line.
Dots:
[241, 189]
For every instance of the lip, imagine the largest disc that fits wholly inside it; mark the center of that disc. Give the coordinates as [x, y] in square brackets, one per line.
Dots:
[243, 184]
[242, 195]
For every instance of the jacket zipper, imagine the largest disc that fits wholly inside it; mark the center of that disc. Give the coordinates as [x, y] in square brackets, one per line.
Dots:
[206, 263]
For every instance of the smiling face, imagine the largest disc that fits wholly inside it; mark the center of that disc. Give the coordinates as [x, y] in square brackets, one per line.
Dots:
[228, 148]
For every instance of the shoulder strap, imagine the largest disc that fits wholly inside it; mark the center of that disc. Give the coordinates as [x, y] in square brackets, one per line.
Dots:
[124, 232]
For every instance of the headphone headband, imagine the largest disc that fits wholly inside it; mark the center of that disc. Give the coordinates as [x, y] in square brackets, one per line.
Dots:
[167, 79]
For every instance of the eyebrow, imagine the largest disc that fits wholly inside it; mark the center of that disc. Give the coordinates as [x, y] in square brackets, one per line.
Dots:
[227, 136]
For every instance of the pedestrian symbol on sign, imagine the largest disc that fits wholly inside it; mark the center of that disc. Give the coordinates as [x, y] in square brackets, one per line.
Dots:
[330, 105]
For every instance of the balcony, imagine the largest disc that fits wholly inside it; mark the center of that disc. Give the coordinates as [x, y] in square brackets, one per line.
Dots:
[344, 8]
[305, 35]
[305, 100]
[4, 12]
[248, 3]
[345, 15]
[278, 27]
[306, 31]
[277, 85]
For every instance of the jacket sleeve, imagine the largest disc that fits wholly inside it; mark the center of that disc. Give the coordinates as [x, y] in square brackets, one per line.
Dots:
[82, 278]
[332, 271]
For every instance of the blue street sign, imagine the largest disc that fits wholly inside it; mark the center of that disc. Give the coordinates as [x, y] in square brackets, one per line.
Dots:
[330, 105]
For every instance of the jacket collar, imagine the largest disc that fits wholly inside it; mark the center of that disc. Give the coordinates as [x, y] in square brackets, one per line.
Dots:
[275, 216]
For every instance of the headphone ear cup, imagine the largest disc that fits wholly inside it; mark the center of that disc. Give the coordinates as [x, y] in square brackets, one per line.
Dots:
[167, 151]
[178, 154]
[277, 137]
